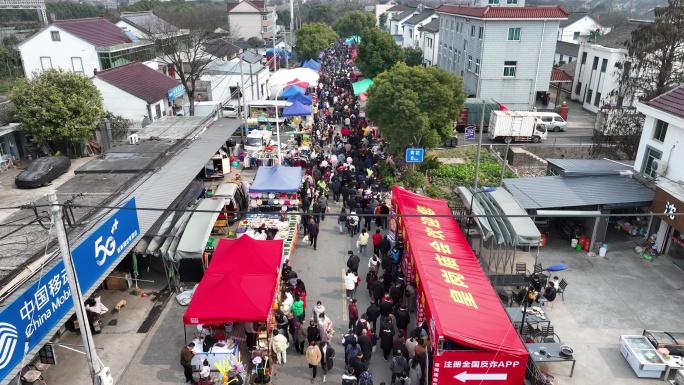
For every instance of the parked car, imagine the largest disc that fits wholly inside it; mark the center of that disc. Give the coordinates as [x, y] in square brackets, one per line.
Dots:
[42, 171]
[672, 341]
[552, 121]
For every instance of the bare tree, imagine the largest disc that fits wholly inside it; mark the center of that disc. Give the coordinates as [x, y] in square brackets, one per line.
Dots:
[181, 34]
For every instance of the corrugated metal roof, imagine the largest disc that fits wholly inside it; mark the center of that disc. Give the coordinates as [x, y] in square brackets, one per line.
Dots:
[549, 192]
[588, 167]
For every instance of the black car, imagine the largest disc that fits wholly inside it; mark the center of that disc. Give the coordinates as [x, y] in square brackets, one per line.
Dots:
[42, 171]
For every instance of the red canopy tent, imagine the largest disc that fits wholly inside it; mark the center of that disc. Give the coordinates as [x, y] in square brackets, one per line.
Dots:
[298, 83]
[459, 303]
[240, 283]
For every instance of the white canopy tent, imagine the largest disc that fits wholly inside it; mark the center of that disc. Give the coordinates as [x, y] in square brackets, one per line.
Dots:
[284, 76]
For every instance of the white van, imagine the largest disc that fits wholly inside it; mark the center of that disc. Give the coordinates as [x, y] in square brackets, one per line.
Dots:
[236, 201]
[552, 121]
[257, 140]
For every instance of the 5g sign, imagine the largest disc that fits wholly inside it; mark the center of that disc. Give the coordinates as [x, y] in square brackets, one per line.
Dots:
[104, 246]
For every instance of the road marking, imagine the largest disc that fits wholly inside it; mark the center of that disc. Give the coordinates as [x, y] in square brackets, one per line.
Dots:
[463, 377]
[345, 316]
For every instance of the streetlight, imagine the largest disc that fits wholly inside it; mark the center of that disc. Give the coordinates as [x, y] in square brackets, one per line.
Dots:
[470, 209]
[277, 122]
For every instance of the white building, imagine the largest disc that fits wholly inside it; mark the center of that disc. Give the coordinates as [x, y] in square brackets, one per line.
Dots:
[430, 43]
[221, 79]
[596, 75]
[82, 46]
[392, 12]
[251, 18]
[412, 36]
[565, 52]
[134, 91]
[579, 24]
[397, 22]
[382, 7]
[658, 157]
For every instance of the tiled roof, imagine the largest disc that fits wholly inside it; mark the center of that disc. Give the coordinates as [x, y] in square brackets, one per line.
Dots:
[560, 76]
[569, 68]
[220, 48]
[574, 17]
[147, 21]
[432, 26]
[567, 49]
[420, 17]
[671, 102]
[139, 80]
[545, 12]
[98, 31]
[618, 36]
[260, 5]
[398, 8]
[404, 14]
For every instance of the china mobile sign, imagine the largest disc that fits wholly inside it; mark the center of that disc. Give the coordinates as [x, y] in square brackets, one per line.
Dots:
[42, 306]
[477, 367]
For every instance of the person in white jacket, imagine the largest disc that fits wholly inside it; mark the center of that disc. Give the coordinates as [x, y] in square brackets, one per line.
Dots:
[350, 281]
[287, 303]
[279, 346]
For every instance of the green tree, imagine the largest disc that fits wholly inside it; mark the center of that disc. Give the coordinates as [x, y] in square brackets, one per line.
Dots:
[283, 17]
[318, 13]
[377, 53]
[413, 56]
[313, 38]
[57, 105]
[415, 106]
[255, 42]
[382, 21]
[353, 23]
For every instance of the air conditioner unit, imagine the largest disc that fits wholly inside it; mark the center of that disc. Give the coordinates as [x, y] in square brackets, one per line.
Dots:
[659, 167]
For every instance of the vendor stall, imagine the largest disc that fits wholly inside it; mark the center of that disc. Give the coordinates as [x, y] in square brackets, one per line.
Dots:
[240, 285]
[483, 345]
[193, 241]
[218, 166]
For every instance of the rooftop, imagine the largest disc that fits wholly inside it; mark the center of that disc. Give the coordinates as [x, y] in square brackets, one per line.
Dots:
[139, 80]
[173, 128]
[618, 36]
[432, 26]
[547, 192]
[569, 68]
[671, 102]
[420, 17]
[567, 49]
[96, 31]
[404, 14]
[560, 76]
[586, 167]
[398, 8]
[147, 21]
[260, 5]
[541, 12]
[574, 17]
[221, 47]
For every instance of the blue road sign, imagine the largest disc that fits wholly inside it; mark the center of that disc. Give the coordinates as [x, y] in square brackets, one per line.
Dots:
[414, 155]
[470, 133]
[29, 318]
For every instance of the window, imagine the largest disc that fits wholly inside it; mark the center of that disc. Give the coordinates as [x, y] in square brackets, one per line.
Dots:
[493, 2]
[477, 66]
[429, 42]
[594, 66]
[472, 31]
[660, 130]
[590, 93]
[509, 68]
[77, 65]
[597, 99]
[560, 59]
[480, 33]
[55, 36]
[511, 1]
[584, 58]
[649, 157]
[575, 36]
[604, 65]
[266, 29]
[470, 63]
[514, 34]
[45, 62]
[266, 16]
[578, 88]
[465, 45]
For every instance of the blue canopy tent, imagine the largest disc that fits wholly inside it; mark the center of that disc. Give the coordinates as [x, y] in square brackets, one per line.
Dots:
[296, 109]
[304, 99]
[292, 91]
[277, 179]
[312, 65]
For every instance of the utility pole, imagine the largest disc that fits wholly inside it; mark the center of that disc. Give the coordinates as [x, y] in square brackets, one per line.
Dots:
[479, 143]
[94, 364]
[244, 105]
[287, 45]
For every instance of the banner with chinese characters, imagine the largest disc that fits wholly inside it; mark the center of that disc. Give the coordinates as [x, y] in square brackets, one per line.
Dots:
[454, 294]
[468, 367]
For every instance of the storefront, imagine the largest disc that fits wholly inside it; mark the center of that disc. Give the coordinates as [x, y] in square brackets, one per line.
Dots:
[669, 200]
[471, 336]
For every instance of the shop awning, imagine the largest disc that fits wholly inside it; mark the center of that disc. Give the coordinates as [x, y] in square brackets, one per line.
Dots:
[277, 179]
[459, 298]
[296, 109]
[239, 285]
[199, 227]
[362, 86]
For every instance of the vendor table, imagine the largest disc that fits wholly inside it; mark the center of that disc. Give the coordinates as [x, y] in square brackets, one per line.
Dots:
[552, 354]
[516, 316]
[217, 353]
[673, 362]
[287, 230]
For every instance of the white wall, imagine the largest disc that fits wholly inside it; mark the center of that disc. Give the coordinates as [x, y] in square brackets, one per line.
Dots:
[382, 8]
[584, 26]
[120, 102]
[671, 148]
[595, 80]
[430, 53]
[245, 21]
[254, 85]
[59, 52]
